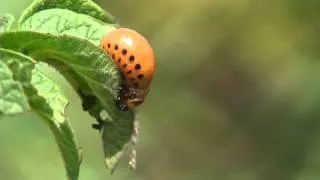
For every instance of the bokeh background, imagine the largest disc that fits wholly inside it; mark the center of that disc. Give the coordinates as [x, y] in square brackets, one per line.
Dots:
[236, 96]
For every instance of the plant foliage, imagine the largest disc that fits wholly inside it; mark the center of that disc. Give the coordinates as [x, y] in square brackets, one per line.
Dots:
[64, 34]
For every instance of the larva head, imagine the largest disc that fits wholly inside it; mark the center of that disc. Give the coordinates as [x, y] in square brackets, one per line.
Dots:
[135, 58]
[137, 97]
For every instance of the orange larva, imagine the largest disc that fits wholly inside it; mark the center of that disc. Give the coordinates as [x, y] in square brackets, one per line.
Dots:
[135, 59]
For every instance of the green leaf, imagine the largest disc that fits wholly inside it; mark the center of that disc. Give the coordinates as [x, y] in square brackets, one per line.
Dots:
[62, 21]
[55, 117]
[46, 100]
[12, 97]
[73, 57]
[90, 72]
[6, 22]
[87, 7]
[116, 136]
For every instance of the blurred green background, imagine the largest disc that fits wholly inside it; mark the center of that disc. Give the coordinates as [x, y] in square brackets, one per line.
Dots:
[236, 96]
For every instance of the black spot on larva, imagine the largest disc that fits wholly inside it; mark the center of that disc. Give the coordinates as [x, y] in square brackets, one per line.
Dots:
[124, 51]
[129, 72]
[124, 66]
[109, 45]
[116, 47]
[137, 66]
[131, 79]
[140, 76]
[113, 56]
[119, 60]
[131, 58]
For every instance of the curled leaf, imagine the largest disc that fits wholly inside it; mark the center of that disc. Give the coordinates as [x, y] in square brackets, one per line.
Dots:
[87, 7]
[66, 22]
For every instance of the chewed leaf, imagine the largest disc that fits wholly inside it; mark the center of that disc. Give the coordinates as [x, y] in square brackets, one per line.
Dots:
[66, 22]
[6, 22]
[87, 7]
[46, 100]
[116, 137]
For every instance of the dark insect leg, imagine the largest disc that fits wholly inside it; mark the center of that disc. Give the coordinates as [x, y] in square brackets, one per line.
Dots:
[121, 99]
[121, 105]
[98, 126]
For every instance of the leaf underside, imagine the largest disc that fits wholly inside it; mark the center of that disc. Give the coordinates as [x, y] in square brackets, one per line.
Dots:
[116, 136]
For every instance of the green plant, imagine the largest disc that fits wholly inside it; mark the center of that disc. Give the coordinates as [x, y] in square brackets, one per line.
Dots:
[64, 34]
